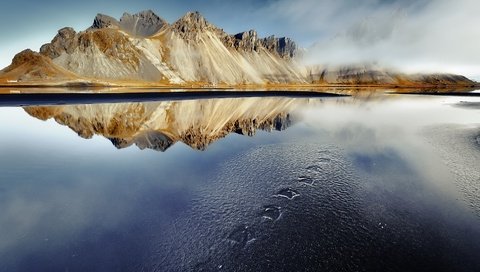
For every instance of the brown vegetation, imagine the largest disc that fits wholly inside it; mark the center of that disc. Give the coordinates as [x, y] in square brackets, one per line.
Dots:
[30, 65]
[112, 43]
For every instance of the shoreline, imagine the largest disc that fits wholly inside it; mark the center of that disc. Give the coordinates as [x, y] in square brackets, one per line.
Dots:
[36, 99]
[146, 85]
[17, 99]
[337, 89]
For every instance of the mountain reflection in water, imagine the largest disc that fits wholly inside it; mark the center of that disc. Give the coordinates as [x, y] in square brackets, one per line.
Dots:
[159, 125]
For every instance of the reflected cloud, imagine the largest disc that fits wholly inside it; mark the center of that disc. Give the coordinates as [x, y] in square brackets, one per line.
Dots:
[468, 105]
[159, 125]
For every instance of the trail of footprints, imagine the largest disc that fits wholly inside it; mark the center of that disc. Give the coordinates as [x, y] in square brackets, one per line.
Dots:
[271, 213]
[243, 235]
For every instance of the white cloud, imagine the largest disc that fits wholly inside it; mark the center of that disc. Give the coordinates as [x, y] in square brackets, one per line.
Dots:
[415, 36]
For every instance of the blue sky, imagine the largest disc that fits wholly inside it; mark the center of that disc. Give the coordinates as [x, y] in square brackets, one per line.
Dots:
[412, 35]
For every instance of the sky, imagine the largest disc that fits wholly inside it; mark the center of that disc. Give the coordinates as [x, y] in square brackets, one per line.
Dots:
[408, 35]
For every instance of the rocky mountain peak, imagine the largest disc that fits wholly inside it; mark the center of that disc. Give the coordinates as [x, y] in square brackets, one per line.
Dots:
[247, 35]
[246, 41]
[104, 21]
[191, 24]
[63, 42]
[194, 19]
[144, 23]
[66, 32]
[285, 47]
[249, 41]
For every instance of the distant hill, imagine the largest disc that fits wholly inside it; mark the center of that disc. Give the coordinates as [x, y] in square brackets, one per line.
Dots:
[28, 65]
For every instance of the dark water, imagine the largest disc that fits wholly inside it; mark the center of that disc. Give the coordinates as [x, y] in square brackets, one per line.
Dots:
[391, 183]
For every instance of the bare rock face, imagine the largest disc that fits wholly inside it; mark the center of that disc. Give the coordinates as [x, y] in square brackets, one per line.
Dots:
[191, 24]
[247, 41]
[142, 24]
[110, 42]
[104, 21]
[64, 41]
[284, 47]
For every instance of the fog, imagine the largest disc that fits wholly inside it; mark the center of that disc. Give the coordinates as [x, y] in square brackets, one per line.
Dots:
[413, 36]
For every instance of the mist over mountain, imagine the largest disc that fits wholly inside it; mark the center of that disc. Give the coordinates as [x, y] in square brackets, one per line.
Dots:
[414, 36]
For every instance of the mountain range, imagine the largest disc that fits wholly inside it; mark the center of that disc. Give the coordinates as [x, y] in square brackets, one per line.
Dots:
[145, 50]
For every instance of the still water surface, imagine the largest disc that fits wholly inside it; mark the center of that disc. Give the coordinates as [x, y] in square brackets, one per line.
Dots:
[387, 183]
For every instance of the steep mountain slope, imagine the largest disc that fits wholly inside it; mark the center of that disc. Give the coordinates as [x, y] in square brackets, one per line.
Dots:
[145, 47]
[102, 53]
[200, 51]
[159, 125]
